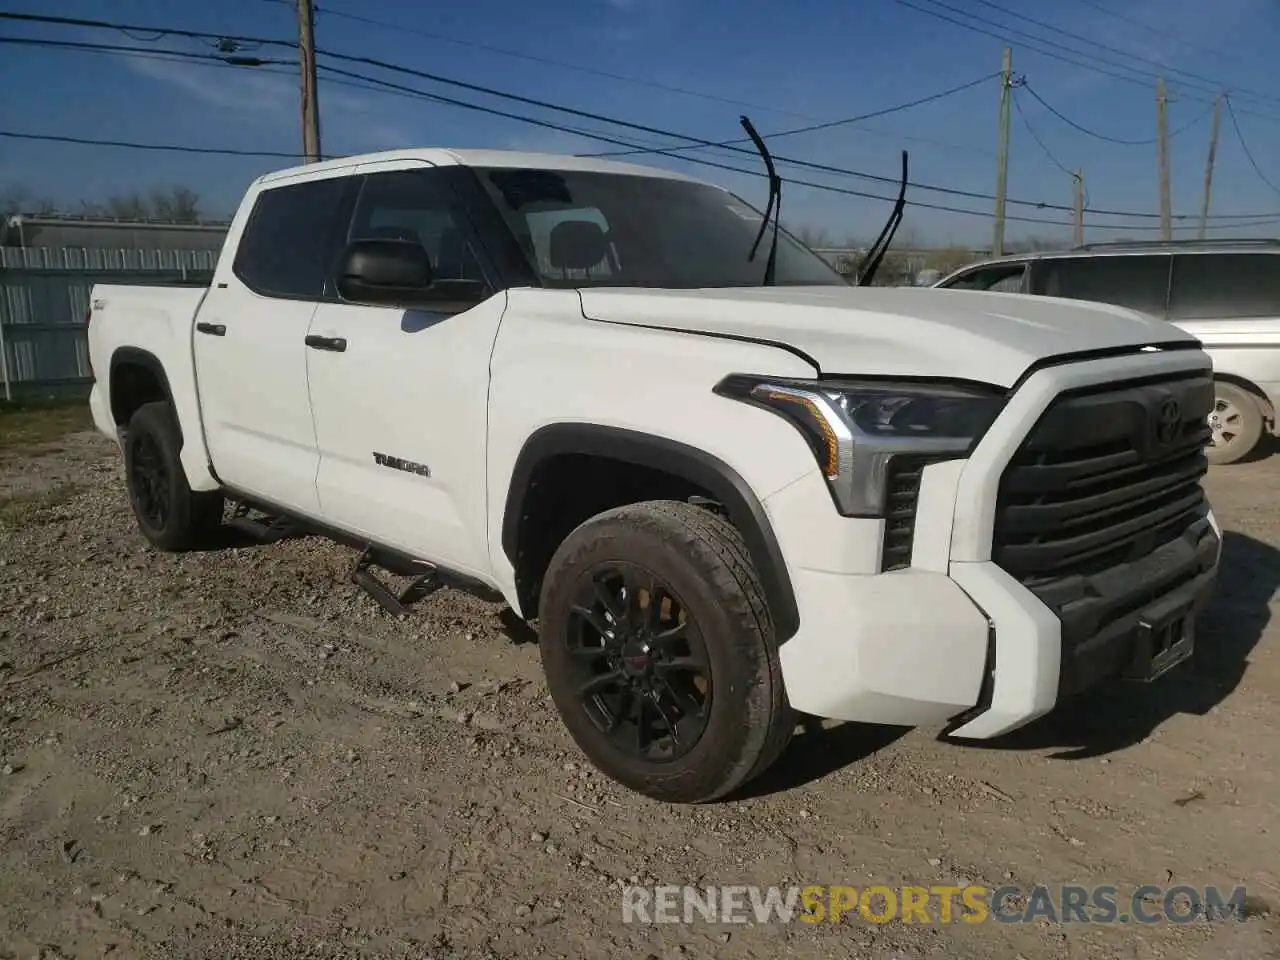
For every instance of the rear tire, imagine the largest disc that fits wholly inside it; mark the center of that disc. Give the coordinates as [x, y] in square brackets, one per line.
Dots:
[1236, 422]
[169, 514]
[680, 699]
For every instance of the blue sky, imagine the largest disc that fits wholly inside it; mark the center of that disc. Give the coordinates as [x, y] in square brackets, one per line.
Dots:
[793, 63]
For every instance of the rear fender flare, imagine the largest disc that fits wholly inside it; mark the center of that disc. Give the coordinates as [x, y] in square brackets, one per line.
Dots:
[135, 356]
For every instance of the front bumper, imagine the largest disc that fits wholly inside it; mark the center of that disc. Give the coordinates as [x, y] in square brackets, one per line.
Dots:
[955, 639]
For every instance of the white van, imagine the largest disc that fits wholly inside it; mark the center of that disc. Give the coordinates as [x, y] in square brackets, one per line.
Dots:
[1226, 293]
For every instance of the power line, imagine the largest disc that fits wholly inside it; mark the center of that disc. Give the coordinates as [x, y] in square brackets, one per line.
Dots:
[1028, 38]
[1198, 84]
[224, 59]
[828, 124]
[125, 28]
[713, 164]
[529, 101]
[179, 148]
[1083, 129]
[1123, 53]
[1017, 105]
[133, 145]
[1102, 136]
[1168, 35]
[645, 128]
[547, 61]
[684, 91]
[655, 131]
[580, 113]
[86, 141]
[1144, 79]
[1244, 145]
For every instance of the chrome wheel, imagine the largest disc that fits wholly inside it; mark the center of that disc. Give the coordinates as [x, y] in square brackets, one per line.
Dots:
[1235, 424]
[1226, 422]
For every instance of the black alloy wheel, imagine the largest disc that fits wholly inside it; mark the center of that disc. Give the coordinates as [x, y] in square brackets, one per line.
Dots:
[658, 649]
[638, 663]
[169, 514]
[149, 479]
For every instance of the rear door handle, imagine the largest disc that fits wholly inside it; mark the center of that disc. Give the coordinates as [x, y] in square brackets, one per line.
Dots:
[213, 329]
[336, 344]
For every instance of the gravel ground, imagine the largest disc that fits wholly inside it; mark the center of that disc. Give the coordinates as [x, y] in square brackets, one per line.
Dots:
[237, 754]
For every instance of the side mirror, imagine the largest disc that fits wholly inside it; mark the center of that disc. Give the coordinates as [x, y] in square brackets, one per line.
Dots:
[398, 273]
[384, 272]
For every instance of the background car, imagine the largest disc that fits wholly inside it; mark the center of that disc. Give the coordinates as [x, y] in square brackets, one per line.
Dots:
[1226, 293]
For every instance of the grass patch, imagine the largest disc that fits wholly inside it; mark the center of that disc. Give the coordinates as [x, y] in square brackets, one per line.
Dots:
[27, 509]
[29, 424]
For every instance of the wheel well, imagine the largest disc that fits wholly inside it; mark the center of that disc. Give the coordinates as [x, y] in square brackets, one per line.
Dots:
[134, 383]
[567, 489]
[1264, 403]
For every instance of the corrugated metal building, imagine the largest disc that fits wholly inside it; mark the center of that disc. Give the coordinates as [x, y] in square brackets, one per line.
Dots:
[99, 233]
[48, 266]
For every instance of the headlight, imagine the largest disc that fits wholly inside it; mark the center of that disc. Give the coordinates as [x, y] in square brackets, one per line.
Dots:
[856, 428]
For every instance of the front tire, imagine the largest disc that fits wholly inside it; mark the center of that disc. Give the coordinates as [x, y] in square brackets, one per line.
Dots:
[659, 652]
[169, 514]
[1236, 422]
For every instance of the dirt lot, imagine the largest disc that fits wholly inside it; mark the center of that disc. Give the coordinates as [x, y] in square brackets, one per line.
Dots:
[236, 754]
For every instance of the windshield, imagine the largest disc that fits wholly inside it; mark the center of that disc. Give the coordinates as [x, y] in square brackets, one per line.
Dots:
[619, 230]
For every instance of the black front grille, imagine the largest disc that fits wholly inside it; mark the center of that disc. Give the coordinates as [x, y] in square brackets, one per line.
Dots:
[902, 486]
[1100, 514]
[1101, 481]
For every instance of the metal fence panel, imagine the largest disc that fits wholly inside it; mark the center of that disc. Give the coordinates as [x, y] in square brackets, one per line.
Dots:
[44, 295]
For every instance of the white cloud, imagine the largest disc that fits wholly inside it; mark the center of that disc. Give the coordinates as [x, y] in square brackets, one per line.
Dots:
[250, 95]
[224, 87]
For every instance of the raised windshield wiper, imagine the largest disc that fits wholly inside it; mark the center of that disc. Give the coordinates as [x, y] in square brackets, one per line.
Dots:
[875, 253]
[774, 206]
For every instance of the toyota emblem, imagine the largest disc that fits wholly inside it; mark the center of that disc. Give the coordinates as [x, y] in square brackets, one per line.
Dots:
[1168, 420]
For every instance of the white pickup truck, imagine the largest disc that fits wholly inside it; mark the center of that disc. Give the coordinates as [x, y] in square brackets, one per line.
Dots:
[561, 381]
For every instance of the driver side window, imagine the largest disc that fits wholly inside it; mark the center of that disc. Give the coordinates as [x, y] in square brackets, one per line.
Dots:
[409, 205]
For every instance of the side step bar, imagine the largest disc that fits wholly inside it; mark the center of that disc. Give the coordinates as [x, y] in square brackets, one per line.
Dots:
[264, 529]
[426, 581]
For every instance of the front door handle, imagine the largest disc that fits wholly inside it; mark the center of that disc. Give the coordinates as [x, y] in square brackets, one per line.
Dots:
[336, 344]
[213, 329]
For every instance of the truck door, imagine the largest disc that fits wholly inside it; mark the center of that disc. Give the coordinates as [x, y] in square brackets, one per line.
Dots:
[400, 395]
[251, 358]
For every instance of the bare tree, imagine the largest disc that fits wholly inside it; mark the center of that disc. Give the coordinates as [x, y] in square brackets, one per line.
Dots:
[18, 198]
[814, 237]
[14, 199]
[128, 206]
[181, 204]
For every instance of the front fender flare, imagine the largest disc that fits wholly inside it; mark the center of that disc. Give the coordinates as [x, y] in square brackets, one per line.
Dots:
[697, 466]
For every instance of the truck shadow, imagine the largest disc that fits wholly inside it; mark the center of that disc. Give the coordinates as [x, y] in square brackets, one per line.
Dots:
[816, 752]
[1100, 721]
[1121, 715]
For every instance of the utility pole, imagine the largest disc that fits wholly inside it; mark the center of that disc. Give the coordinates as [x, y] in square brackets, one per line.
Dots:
[1208, 167]
[1077, 182]
[1002, 150]
[307, 65]
[1162, 152]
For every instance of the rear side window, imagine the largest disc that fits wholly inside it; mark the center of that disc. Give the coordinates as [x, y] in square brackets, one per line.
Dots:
[1210, 286]
[1136, 282]
[285, 249]
[1002, 279]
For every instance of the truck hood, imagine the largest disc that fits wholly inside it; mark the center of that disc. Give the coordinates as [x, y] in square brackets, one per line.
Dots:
[883, 331]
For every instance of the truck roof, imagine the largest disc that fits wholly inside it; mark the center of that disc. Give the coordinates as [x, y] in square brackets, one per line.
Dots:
[442, 157]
